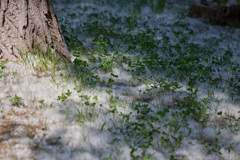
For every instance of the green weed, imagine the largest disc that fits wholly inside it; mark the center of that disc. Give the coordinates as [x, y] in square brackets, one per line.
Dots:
[16, 100]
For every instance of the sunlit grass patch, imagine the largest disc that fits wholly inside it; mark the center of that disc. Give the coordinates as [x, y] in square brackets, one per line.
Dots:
[41, 61]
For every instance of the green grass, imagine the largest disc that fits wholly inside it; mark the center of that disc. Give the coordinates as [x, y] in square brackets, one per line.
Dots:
[42, 62]
[2, 67]
[183, 62]
[16, 100]
[165, 67]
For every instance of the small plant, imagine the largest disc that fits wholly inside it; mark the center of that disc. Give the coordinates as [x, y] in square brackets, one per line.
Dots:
[64, 96]
[16, 100]
[2, 66]
[157, 6]
[68, 93]
[41, 61]
[41, 101]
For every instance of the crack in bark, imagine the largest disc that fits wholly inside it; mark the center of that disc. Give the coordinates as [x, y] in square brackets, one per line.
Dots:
[3, 18]
[10, 22]
[26, 15]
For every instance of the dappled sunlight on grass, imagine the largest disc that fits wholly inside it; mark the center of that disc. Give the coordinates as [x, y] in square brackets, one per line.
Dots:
[140, 87]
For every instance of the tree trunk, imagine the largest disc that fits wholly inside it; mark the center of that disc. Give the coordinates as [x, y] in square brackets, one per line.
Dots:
[27, 23]
[222, 14]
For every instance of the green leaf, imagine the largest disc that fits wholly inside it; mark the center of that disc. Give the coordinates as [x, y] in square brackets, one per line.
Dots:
[113, 107]
[68, 93]
[110, 80]
[219, 113]
[116, 76]
[148, 158]
[41, 101]
[172, 157]
[103, 126]
[87, 103]
[93, 104]
[95, 98]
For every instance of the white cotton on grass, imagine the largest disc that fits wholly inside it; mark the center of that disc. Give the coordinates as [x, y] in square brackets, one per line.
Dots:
[159, 156]
[55, 119]
[195, 128]
[84, 156]
[231, 155]
[54, 116]
[86, 138]
[125, 150]
[235, 140]
[83, 139]
[87, 141]
[29, 86]
[16, 147]
[209, 133]
[227, 108]
[193, 150]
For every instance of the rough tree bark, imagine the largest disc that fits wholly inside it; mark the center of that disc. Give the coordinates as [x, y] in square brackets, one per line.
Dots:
[27, 23]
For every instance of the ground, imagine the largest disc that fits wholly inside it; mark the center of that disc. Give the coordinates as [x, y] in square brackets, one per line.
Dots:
[146, 82]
